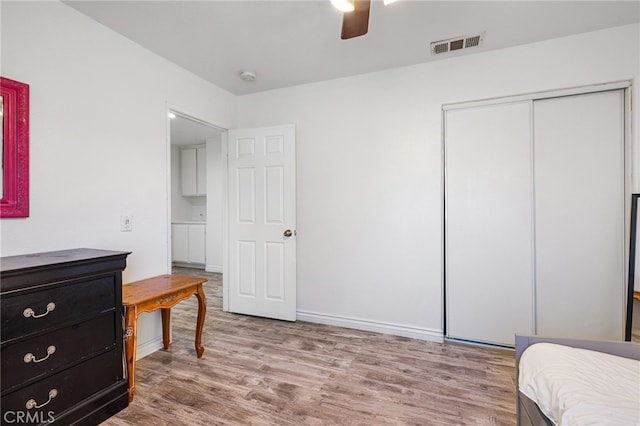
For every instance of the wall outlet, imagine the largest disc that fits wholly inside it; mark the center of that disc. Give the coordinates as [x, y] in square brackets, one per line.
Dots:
[126, 225]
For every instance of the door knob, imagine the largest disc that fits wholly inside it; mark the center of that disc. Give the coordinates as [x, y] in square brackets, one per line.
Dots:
[288, 233]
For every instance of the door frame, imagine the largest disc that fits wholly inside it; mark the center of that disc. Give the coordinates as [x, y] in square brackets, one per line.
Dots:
[225, 220]
[630, 180]
[171, 109]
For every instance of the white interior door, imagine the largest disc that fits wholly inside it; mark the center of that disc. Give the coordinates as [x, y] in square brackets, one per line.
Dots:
[261, 273]
[489, 270]
[579, 213]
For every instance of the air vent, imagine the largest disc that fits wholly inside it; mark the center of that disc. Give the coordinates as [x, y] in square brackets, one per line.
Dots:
[456, 43]
[439, 48]
[472, 41]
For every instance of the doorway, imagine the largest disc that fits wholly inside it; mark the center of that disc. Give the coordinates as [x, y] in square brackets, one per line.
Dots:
[257, 184]
[196, 191]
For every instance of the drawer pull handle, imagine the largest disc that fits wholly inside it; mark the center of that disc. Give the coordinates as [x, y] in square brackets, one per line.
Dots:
[29, 312]
[33, 404]
[30, 357]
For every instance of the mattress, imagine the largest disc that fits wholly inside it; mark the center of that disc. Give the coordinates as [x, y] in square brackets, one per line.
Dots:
[576, 387]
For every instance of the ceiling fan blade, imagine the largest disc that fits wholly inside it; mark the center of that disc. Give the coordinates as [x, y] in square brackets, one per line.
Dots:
[356, 23]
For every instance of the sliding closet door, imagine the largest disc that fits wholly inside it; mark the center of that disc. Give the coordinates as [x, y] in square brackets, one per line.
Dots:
[579, 216]
[488, 225]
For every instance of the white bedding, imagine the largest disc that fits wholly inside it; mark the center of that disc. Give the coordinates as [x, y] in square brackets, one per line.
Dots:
[580, 387]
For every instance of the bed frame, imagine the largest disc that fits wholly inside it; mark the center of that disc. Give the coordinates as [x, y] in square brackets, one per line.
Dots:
[528, 412]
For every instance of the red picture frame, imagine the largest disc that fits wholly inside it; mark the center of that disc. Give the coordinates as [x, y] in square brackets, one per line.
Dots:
[15, 148]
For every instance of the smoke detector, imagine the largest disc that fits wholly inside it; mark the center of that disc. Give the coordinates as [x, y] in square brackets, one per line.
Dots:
[247, 76]
[457, 43]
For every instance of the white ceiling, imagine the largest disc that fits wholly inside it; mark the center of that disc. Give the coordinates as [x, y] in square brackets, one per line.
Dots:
[294, 42]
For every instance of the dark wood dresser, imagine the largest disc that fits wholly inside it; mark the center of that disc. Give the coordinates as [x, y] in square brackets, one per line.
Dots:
[62, 337]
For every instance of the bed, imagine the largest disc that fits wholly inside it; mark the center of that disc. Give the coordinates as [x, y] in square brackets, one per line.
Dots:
[577, 382]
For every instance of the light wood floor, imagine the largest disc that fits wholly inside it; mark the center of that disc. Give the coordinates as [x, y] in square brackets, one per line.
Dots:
[257, 371]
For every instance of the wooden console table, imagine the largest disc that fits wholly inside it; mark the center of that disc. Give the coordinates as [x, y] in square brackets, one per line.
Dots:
[162, 292]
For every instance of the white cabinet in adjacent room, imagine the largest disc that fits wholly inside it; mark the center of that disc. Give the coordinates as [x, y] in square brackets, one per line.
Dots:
[188, 243]
[197, 243]
[180, 243]
[193, 171]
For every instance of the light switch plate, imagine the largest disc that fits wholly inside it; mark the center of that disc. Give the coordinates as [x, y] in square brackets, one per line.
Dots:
[126, 225]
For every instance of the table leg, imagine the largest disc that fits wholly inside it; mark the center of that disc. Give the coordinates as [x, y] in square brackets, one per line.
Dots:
[166, 327]
[202, 310]
[130, 347]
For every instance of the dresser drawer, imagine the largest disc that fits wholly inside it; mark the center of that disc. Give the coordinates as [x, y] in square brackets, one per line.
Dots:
[64, 389]
[54, 350]
[24, 313]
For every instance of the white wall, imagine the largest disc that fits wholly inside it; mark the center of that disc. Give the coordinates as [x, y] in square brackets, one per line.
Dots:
[98, 136]
[370, 177]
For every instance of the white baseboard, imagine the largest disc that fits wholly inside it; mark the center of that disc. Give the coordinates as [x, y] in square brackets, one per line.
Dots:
[211, 268]
[149, 347]
[188, 265]
[419, 333]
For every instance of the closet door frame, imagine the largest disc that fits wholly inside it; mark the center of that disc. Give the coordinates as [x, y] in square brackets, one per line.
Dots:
[629, 163]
